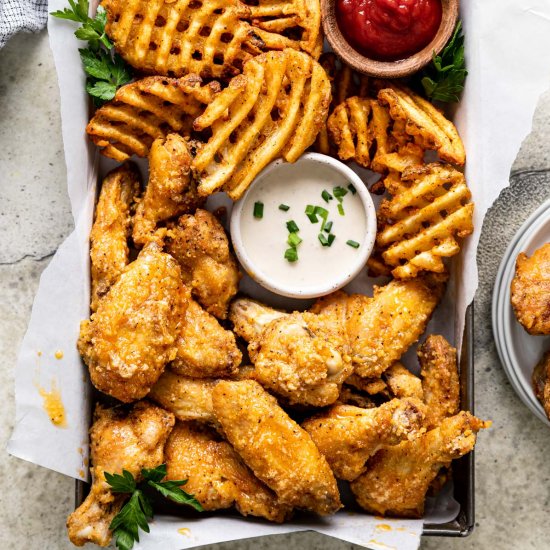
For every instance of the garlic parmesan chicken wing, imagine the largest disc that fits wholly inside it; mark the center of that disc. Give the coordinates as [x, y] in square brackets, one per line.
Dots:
[205, 349]
[132, 336]
[403, 383]
[274, 447]
[171, 190]
[111, 229]
[119, 441]
[397, 478]
[541, 382]
[216, 475]
[348, 436]
[301, 357]
[200, 245]
[530, 291]
[187, 398]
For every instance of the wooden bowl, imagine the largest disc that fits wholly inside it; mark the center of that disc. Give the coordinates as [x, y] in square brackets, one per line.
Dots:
[387, 69]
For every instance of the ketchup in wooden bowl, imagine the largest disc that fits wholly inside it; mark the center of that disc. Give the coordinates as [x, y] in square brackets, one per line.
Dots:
[388, 30]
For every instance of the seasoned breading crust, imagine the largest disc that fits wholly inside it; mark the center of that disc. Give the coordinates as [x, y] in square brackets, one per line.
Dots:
[541, 382]
[530, 291]
[216, 475]
[256, 426]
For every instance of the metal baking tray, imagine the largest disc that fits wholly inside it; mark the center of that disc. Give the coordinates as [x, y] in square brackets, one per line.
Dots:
[463, 469]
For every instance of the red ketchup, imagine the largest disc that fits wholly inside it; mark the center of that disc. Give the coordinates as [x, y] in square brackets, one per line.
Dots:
[388, 30]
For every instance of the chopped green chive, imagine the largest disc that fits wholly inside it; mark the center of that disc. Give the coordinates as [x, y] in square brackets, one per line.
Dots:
[326, 196]
[292, 227]
[322, 239]
[339, 192]
[353, 244]
[341, 210]
[328, 227]
[351, 187]
[320, 211]
[293, 239]
[259, 210]
[284, 207]
[291, 255]
[310, 213]
[330, 239]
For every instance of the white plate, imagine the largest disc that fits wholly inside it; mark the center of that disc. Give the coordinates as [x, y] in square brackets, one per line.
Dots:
[519, 352]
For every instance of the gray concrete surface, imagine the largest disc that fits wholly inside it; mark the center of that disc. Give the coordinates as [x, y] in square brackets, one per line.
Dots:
[513, 485]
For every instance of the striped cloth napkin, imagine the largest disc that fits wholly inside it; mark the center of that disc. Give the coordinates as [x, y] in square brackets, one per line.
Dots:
[21, 15]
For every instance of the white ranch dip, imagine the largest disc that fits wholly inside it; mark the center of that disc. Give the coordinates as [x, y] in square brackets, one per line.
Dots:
[265, 239]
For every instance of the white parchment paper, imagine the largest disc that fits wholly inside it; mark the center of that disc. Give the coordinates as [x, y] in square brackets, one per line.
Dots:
[507, 45]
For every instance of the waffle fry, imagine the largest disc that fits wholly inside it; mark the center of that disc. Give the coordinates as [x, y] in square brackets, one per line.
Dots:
[420, 225]
[274, 109]
[423, 121]
[146, 110]
[179, 37]
[284, 24]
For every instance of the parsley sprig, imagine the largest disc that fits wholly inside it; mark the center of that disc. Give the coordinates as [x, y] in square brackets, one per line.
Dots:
[106, 70]
[443, 79]
[137, 512]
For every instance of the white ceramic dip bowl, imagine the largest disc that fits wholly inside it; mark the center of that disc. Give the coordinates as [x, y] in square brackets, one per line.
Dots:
[274, 207]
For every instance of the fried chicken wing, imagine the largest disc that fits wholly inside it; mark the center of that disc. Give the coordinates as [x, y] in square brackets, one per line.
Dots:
[348, 436]
[276, 449]
[440, 383]
[403, 383]
[119, 441]
[397, 478]
[530, 291]
[171, 190]
[187, 398]
[200, 245]
[216, 475]
[132, 335]
[382, 328]
[541, 382]
[250, 317]
[111, 229]
[205, 348]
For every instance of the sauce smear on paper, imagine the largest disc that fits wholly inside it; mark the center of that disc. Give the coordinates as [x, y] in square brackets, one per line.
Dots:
[53, 405]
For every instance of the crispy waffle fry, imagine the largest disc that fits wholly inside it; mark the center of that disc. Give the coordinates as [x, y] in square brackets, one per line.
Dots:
[420, 225]
[146, 110]
[179, 37]
[424, 122]
[274, 109]
[288, 24]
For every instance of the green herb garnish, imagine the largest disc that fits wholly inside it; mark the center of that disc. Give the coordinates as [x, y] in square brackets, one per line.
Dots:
[293, 239]
[351, 187]
[292, 227]
[331, 238]
[340, 192]
[341, 210]
[328, 227]
[326, 196]
[310, 213]
[137, 512]
[259, 210]
[106, 70]
[443, 79]
[353, 244]
[323, 239]
[284, 207]
[291, 254]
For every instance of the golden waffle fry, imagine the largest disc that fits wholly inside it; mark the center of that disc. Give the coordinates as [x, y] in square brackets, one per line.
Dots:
[274, 109]
[420, 225]
[209, 38]
[424, 122]
[146, 110]
[288, 24]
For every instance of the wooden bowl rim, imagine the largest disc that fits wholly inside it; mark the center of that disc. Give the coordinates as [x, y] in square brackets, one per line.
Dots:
[387, 69]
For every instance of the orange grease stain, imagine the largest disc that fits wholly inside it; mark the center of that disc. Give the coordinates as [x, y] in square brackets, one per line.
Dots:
[384, 527]
[53, 405]
[184, 531]
[58, 354]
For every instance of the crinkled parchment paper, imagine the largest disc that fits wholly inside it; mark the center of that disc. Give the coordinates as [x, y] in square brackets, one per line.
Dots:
[507, 45]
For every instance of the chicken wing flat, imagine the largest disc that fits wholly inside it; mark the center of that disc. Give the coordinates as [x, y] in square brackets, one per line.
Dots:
[170, 191]
[397, 478]
[111, 229]
[250, 317]
[200, 245]
[382, 328]
[302, 357]
[187, 398]
[119, 441]
[440, 383]
[216, 475]
[348, 436]
[132, 335]
[541, 382]
[530, 291]
[205, 348]
[403, 383]
[274, 447]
